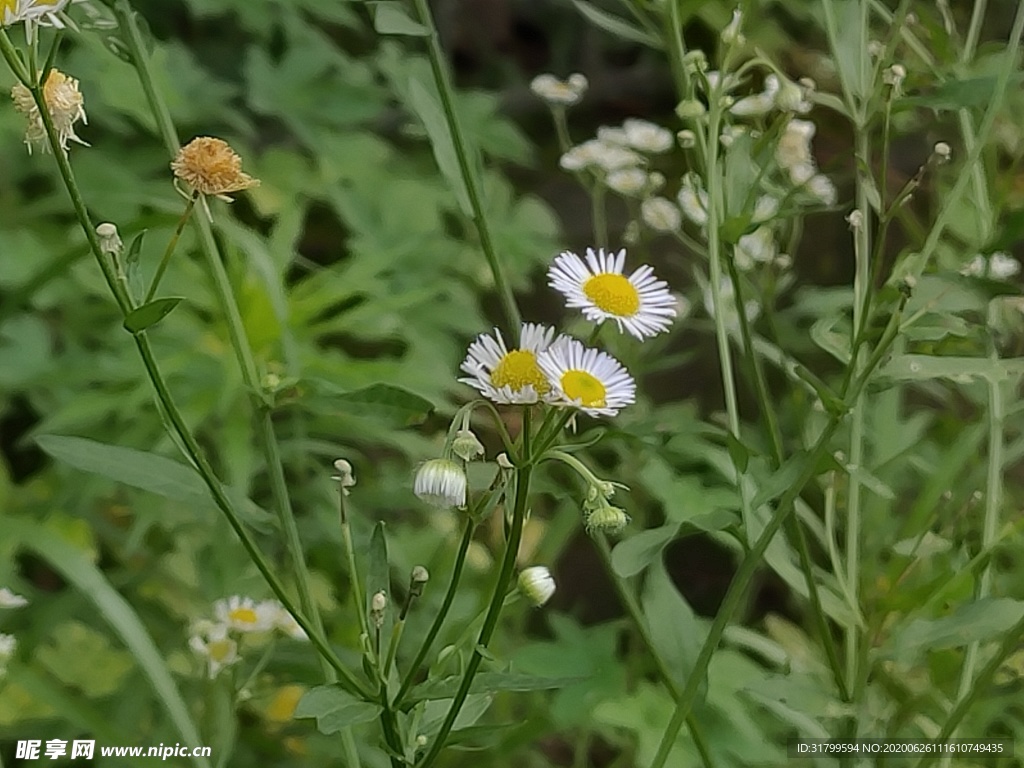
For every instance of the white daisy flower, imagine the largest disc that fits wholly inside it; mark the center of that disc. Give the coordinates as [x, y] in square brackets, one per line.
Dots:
[441, 483]
[588, 379]
[9, 599]
[640, 303]
[563, 93]
[242, 614]
[537, 584]
[211, 642]
[504, 376]
[41, 12]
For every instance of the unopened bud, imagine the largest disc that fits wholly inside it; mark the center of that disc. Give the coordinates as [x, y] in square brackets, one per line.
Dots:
[344, 476]
[607, 519]
[691, 109]
[942, 151]
[110, 241]
[855, 219]
[537, 584]
[504, 462]
[466, 446]
[687, 138]
[378, 604]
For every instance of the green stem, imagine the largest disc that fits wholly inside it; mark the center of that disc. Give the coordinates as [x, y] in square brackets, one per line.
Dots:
[597, 211]
[442, 80]
[734, 595]
[1009, 645]
[193, 450]
[358, 596]
[508, 564]
[446, 604]
[236, 330]
[171, 245]
[636, 614]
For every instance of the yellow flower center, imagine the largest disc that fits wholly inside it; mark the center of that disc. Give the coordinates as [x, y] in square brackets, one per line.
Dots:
[613, 293]
[517, 370]
[242, 616]
[220, 650]
[584, 388]
[7, 5]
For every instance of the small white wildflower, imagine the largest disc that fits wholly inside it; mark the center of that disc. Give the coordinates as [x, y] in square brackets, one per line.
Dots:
[537, 584]
[557, 92]
[631, 182]
[731, 35]
[466, 445]
[765, 209]
[63, 101]
[9, 599]
[45, 13]
[242, 614]
[693, 200]
[211, 641]
[793, 152]
[441, 483]
[602, 154]
[661, 215]
[758, 247]
[1002, 266]
[686, 138]
[758, 103]
[796, 98]
[588, 379]
[509, 376]
[646, 136]
[284, 622]
[821, 187]
[976, 267]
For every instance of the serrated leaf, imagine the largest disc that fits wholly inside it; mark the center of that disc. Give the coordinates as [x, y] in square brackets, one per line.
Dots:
[488, 682]
[634, 554]
[616, 25]
[148, 315]
[335, 709]
[390, 18]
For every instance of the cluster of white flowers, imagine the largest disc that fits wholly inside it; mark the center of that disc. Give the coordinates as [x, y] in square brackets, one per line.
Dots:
[44, 13]
[996, 266]
[217, 640]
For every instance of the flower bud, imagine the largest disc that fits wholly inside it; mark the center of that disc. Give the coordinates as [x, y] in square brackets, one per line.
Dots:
[344, 476]
[378, 604]
[687, 138]
[606, 519]
[731, 35]
[942, 152]
[691, 109]
[110, 241]
[441, 483]
[466, 445]
[417, 580]
[537, 584]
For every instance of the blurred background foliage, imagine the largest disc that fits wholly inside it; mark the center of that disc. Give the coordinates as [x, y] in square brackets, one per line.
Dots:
[353, 265]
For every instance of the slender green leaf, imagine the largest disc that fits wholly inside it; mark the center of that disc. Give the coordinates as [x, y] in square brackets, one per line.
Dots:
[391, 18]
[145, 471]
[488, 682]
[75, 567]
[980, 621]
[335, 708]
[675, 631]
[425, 103]
[148, 315]
[615, 25]
[378, 574]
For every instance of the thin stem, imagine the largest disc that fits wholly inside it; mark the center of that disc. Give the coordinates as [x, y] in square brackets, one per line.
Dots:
[597, 212]
[171, 245]
[494, 610]
[442, 80]
[446, 604]
[734, 595]
[236, 329]
[358, 596]
[636, 614]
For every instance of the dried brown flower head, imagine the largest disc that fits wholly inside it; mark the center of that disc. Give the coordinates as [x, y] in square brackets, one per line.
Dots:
[63, 102]
[211, 167]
